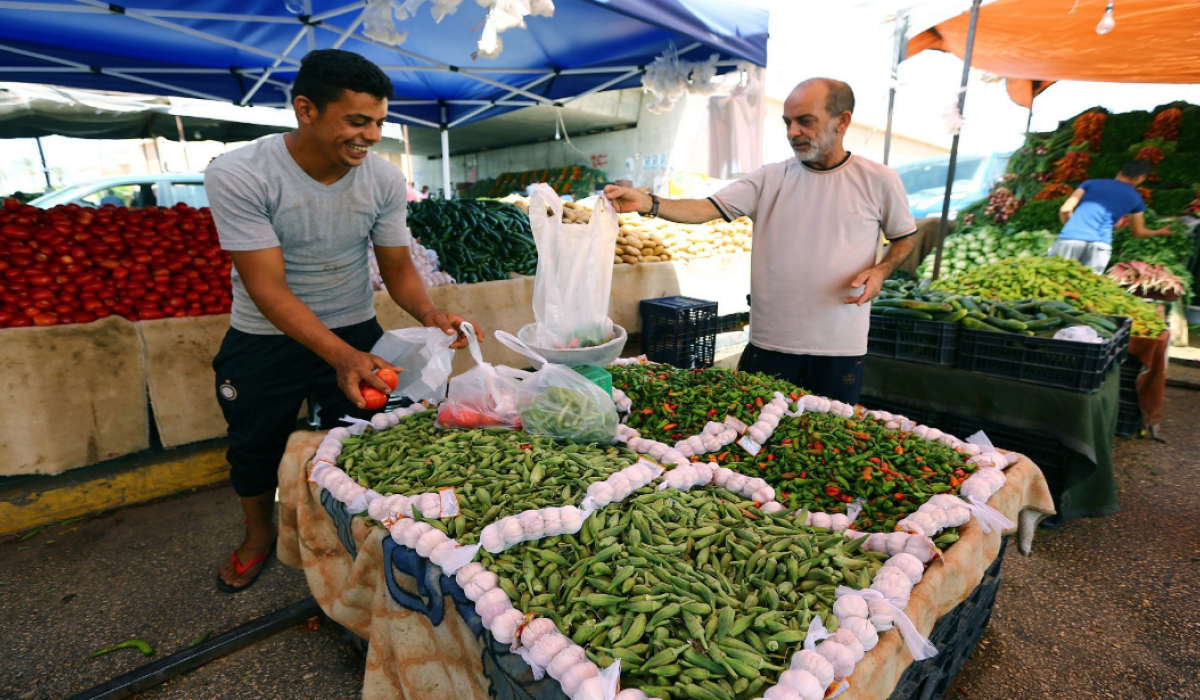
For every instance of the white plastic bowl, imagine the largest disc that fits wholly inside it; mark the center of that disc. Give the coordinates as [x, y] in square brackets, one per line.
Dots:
[597, 355]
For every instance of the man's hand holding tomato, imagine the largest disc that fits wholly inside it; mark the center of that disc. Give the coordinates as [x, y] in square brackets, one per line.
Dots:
[358, 380]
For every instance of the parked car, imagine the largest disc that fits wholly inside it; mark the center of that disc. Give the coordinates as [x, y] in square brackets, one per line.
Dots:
[163, 190]
[925, 182]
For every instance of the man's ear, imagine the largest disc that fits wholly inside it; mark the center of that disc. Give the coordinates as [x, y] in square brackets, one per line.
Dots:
[843, 122]
[306, 110]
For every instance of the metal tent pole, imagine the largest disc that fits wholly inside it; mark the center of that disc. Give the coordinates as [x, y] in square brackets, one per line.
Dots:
[446, 158]
[901, 40]
[45, 168]
[1029, 121]
[944, 224]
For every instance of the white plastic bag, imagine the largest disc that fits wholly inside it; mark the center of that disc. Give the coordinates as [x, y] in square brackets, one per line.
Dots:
[558, 402]
[426, 358]
[574, 272]
[1080, 334]
[481, 397]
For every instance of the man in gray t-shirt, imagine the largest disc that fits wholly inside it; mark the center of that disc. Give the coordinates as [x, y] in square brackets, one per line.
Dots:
[296, 212]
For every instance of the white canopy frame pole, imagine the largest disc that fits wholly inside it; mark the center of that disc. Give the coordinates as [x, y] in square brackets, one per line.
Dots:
[267, 73]
[506, 100]
[901, 41]
[944, 224]
[446, 189]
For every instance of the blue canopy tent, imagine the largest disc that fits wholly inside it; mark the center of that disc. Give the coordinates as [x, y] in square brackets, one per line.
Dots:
[247, 51]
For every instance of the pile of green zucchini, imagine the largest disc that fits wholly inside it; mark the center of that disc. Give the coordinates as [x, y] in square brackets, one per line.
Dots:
[476, 240]
[1030, 317]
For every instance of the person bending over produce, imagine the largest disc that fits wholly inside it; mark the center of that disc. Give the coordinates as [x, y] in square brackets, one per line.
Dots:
[296, 212]
[1092, 210]
[817, 219]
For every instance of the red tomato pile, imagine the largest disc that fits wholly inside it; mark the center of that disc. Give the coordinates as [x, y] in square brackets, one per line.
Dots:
[75, 264]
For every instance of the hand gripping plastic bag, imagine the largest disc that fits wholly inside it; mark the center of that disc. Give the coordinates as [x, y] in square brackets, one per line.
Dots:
[574, 273]
[481, 397]
[426, 358]
[558, 402]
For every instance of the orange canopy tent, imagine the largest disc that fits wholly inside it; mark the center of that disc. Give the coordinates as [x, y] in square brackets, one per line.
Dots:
[1034, 43]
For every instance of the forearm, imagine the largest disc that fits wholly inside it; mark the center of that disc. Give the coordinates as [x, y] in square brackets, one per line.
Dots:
[287, 313]
[686, 211]
[897, 252]
[1063, 215]
[408, 291]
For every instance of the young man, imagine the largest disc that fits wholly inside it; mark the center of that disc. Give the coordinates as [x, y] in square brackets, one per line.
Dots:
[817, 220]
[296, 211]
[1092, 210]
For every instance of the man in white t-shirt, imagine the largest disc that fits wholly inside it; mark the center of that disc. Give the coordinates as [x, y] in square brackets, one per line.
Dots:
[817, 220]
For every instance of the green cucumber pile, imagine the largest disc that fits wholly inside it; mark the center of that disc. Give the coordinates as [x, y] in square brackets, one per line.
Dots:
[1030, 317]
[698, 593]
[986, 244]
[476, 240]
[496, 473]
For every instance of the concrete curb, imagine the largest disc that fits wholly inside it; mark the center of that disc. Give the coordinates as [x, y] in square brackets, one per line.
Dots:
[30, 501]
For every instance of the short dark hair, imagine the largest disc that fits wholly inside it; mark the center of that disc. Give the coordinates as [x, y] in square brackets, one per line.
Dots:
[1137, 168]
[325, 73]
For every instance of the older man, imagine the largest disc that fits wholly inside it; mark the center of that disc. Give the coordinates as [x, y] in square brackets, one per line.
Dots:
[817, 220]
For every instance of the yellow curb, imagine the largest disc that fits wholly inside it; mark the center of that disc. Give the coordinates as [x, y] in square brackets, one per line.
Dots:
[64, 499]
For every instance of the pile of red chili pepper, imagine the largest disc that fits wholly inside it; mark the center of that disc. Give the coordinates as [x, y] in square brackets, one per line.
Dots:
[672, 404]
[818, 461]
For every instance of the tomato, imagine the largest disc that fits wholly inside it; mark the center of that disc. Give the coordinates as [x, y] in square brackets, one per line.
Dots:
[45, 320]
[20, 322]
[150, 314]
[64, 310]
[374, 398]
[389, 377]
[462, 417]
[82, 317]
[6, 317]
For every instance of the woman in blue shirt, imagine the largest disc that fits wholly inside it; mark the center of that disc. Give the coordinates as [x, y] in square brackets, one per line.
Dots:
[1092, 210]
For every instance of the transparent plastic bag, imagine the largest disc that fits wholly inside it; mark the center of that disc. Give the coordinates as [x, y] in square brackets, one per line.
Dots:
[574, 273]
[426, 358]
[558, 402]
[481, 397]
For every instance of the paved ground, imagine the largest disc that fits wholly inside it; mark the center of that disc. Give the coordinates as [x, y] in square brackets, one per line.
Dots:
[1102, 609]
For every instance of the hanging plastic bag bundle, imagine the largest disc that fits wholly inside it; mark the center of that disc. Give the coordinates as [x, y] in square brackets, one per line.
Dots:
[558, 402]
[574, 273]
[481, 397]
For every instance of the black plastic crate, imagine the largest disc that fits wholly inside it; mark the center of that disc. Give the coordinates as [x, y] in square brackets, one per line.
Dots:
[1064, 364]
[955, 635]
[679, 331]
[1044, 449]
[913, 340]
[1129, 412]
[909, 409]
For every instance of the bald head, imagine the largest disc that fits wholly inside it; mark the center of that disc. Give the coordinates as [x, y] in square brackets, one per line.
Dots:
[838, 97]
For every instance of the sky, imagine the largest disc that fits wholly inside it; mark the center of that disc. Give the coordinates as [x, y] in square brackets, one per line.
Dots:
[852, 40]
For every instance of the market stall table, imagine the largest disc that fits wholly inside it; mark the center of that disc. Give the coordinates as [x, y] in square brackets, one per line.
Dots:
[1084, 424]
[426, 641]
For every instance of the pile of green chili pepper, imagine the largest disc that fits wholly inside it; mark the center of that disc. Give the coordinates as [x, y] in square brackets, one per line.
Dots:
[476, 240]
[699, 593]
[818, 461]
[495, 473]
[672, 404]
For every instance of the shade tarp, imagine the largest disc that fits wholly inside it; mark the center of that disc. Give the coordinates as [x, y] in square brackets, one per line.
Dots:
[1034, 43]
[228, 49]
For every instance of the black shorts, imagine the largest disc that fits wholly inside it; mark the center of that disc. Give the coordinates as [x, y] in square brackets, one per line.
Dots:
[262, 380]
[834, 377]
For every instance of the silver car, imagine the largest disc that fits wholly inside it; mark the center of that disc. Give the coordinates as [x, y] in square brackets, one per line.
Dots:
[131, 191]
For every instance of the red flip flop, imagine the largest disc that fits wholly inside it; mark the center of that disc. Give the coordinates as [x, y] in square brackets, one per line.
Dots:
[243, 568]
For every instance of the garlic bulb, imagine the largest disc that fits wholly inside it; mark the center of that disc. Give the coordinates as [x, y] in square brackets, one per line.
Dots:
[773, 507]
[922, 548]
[849, 640]
[467, 573]
[861, 628]
[504, 627]
[532, 524]
[492, 604]
[822, 520]
[564, 660]
[552, 521]
[910, 565]
[814, 663]
[437, 556]
[839, 522]
[632, 694]
[763, 495]
[781, 692]
[548, 647]
[414, 533]
[850, 605]
[881, 614]
[536, 629]
[841, 658]
[512, 531]
[572, 520]
[590, 689]
[430, 540]
[492, 539]
[576, 675]
[601, 493]
[805, 684]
